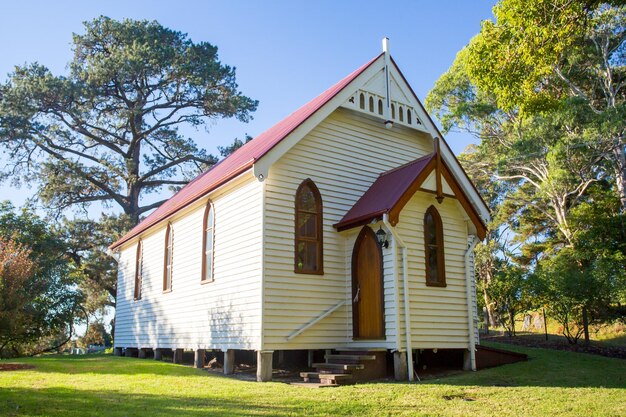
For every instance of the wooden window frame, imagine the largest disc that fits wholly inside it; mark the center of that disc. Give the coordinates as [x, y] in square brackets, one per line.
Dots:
[320, 237]
[441, 268]
[138, 271]
[168, 271]
[209, 210]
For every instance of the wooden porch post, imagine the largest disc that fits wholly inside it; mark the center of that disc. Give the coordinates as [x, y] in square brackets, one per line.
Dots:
[400, 366]
[178, 356]
[198, 358]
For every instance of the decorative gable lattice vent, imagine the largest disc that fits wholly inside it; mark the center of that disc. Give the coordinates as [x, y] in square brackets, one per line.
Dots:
[372, 103]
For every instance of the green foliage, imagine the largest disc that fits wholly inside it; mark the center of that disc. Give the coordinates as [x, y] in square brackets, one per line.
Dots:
[96, 334]
[511, 295]
[226, 151]
[542, 87]
[46, 300]
[571, 284]
[108, 131]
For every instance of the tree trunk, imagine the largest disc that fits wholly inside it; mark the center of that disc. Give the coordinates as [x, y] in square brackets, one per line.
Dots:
[489, 306]
[620, 173]
[586, 325]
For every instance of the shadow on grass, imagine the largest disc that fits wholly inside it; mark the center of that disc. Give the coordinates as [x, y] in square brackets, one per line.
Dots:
[545, 368]
[548, 368]
[106, 365]
[68, 402]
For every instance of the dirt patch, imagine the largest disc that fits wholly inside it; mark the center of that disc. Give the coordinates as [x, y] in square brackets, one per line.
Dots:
[14, 367]
[538, 341]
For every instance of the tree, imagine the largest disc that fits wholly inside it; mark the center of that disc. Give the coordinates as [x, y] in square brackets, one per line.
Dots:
[510, 294]
[108, 131]
[226, 151]
[96, 334]
[542, 86]
[543, 52]
[38, 296]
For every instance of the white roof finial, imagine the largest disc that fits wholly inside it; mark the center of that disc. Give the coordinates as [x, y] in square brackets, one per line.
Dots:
[386, 45]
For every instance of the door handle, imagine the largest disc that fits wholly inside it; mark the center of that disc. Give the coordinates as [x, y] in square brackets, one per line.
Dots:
[356, 297]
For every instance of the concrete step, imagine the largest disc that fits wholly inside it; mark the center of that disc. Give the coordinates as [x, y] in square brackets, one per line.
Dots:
[326, 379]
[339, 366]
[350, 358]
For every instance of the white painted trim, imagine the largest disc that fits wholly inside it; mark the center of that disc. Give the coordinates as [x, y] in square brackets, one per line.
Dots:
[407, 307]
[471, 243]
[263, 251]
[264, 163]
[317, 319]
[446, 154]
[183, 211]
[396, 291]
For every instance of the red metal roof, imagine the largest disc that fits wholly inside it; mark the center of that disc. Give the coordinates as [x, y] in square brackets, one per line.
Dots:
[387, 192]
[239, 161]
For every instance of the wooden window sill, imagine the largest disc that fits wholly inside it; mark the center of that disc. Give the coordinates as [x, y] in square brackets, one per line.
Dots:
[296, 271]
[436, 284]
[206, 281]
[167, 291]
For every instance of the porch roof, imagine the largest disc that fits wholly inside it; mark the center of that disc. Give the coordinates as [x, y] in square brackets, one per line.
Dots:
[389, 193]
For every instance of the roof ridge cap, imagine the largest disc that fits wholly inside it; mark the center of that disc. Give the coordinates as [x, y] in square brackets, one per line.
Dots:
[415, 161]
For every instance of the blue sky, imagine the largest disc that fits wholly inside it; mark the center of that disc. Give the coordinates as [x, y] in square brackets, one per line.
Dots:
[286, 52]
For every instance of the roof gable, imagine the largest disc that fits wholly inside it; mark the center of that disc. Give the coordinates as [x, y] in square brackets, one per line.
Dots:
[393, 189]
[261, 152]
[388, 192]
[241, 160]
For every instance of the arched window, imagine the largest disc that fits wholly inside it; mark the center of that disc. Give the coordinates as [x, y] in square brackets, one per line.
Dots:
[168, 258]
[433, 237]
[208, 239]
[393, 111]
[138, 270]
[371, 104]
[408, 116]
[308, 233]
[362, 101]
[401, 114]
[380, 106]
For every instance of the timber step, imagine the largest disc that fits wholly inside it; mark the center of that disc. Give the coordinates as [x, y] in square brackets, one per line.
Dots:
[339, 366]
[347, 367]
[326, 379]
[345, 357]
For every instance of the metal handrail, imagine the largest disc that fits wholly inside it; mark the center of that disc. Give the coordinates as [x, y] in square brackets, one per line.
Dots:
[317, 319]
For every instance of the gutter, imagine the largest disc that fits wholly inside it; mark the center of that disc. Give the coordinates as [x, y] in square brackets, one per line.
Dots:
[405, 282]
[471, 244]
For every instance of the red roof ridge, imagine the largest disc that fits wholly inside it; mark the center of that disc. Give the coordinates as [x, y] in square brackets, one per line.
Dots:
[240, 160]
[415, 161]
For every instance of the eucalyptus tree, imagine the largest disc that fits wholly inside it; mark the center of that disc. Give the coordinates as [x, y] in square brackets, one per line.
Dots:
[542, 86]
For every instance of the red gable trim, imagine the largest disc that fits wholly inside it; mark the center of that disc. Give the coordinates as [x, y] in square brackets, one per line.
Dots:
[389, 193]
[393, 189]
[430, 119]
[239, 161]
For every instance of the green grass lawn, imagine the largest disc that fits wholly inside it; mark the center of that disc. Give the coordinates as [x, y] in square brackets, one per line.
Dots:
[550, 383]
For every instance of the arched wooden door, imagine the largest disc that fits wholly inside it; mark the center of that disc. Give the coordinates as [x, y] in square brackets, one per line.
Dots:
[367, 287]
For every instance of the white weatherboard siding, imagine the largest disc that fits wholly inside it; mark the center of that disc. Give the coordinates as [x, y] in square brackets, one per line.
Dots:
[343, 155]
[438, 315]
[222, 314]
